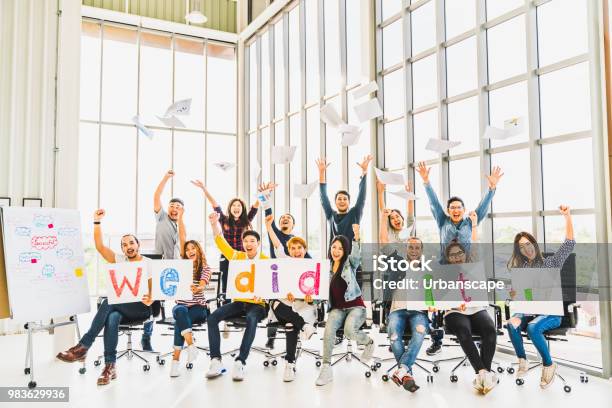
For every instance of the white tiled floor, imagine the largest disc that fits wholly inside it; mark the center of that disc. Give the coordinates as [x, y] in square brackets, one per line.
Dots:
[264, 386]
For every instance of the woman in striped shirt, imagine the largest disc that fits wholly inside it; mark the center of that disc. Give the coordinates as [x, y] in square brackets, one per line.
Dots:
[192, 311]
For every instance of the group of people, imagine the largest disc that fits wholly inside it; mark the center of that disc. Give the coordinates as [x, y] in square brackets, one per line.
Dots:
[237, 240]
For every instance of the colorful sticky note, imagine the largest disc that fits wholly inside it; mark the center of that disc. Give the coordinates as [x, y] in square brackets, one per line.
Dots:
[50, 225]
[34, 260]
[78, 272]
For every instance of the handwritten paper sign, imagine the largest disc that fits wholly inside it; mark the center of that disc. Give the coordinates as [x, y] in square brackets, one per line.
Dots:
[275, 278]
[172, 279]
[126, 282]
[538, 291]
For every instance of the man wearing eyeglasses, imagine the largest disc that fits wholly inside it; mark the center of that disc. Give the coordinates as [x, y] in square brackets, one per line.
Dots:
[453, 224]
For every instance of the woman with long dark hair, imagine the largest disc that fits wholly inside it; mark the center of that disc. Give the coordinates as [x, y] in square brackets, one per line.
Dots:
[345, 301]
[526, 254]
[192, 311]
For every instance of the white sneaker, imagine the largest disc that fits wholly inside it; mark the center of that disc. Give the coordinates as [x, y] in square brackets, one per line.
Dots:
[238, 371]
[192, 353]
[478, 382]
[174, 368]
[490, 381]
[523, 368]
[548, 375]
[289, 374]
[326, 375]
[216, 368]
[307, 331]
[368, 352]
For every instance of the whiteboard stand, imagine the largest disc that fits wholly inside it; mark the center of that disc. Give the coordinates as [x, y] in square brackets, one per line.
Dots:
[33, 327]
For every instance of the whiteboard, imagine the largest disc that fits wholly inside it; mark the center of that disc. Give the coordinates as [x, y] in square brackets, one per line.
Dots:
[45, 263]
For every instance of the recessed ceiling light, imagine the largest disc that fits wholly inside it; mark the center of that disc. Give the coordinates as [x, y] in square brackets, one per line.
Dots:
[196, 17]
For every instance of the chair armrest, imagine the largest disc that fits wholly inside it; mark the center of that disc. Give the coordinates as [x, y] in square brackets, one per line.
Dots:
[498, 315]
[321, 311]
[572, 312]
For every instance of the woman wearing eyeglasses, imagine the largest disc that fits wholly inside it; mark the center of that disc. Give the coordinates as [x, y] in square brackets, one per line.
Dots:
[527, 254]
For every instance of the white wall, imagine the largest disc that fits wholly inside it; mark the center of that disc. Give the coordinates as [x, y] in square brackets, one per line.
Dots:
[38, 143]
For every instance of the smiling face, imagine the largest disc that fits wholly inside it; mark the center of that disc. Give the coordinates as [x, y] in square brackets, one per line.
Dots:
[286, 223]
[173, 210]
[528, 250]
[456, 255]
[415, 249]
[130, 247]
[396, 220]
[236, 209]
[296, 250]
[337, 252]
[342, 202]
[456, 211]
[191, 252]
[250, 245]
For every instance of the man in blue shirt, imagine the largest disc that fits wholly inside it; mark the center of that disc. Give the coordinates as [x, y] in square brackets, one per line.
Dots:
[341, 221]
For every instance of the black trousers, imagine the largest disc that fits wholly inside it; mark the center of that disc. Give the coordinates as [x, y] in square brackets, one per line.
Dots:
[285, 315]
[480, 324]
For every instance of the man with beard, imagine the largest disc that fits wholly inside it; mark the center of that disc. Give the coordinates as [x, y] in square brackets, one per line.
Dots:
[108, 317]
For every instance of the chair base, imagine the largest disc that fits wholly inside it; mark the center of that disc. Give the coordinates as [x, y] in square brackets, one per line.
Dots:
[584, 378]
[130, 353]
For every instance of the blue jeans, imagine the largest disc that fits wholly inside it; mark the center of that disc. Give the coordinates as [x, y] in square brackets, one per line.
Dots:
[147, 331]
[535, 327]
[397, 322]
[254, 313]
[108, 317]
[352, 319]
[184, 318]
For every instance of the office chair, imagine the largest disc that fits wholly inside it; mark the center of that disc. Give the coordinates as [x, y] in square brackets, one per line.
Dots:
[568, 322]
[380, 313]
[126, 327]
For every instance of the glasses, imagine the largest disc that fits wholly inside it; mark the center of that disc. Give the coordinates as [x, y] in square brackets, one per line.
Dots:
[457, 207]
[456, 255]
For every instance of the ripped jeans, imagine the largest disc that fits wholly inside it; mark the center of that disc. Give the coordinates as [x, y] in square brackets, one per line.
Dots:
[397, 322]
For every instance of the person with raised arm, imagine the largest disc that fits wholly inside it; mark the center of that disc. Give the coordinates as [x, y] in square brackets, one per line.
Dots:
[395, 228]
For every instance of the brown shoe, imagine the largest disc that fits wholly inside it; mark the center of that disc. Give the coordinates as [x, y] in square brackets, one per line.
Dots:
[76, 353]
[109, 373]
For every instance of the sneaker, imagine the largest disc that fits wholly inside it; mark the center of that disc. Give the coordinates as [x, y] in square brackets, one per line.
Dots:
[192, 353]
[490, 381]
[238, 371]
[368, 352]
[307, 331]
[146, 345]
[216, 368]
[434, 349]
[402, 378]
[478, 382]
[326, 375]
[523, 368]
[289, 374]
[548, 375]
[174, 368]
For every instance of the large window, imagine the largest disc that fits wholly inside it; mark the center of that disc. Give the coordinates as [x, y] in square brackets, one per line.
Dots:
[308, 36]
[483, 62]
[125, 72]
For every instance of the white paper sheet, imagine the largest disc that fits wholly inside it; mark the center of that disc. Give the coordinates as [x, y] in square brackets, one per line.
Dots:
[182, 107]
[389, 178]
[365, 90]
[126, 282]
[404, 194]
[440, 146]
[350, 139]
[512, 127]
[255, 171]
[330, 116]
[172, 279]
[368, 110]
[538, 291]
[283, 154]
[171, 121]
[304, 190]
[142, 128]
[225, 166]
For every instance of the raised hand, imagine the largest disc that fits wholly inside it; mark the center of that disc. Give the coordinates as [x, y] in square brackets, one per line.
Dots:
[494, 178]
[380, 186]
[322, 164]
[267, 187]
[213, 217]
[423, 171]
[99, 214]
[564, 210]
[356, 231]
[474, 218]
[408, 186]
[269, 220]
[365, 163]
[169, 174]
[198, 183]
[387, 212]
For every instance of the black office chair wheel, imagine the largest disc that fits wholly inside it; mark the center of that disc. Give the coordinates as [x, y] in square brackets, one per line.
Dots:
[82, 370]
[373, 367]
[162, 362]
[519, 381]
[26, 371]
[368, 374]
[454, 378]
[378, 365]
[500, 370]
[146, 367]
[97, 363]
[584, 378]
[436, 369]
[274, 363]
[567, 388]
[510, 370]
[385, 377]
[266, 363]
[318, 363]
[189, 366]
[430, 378]
[32, 384]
